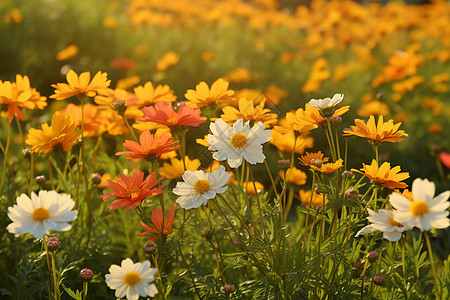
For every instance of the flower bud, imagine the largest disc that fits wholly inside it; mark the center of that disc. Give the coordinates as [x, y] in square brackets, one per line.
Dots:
[379, 96]
[86, 274]
[207, 234]
[372, 256]
[284, 163]
[96, 178]
[348, 173]
[26, 152]
[40, 179]
[351, 194]
[336, 121]
[229, 289]
[378, 279]
[53, 243]
[120, 106]
[323, 125]
[150, 248]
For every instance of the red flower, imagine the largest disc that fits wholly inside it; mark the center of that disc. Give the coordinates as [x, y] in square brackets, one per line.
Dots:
[160, 224]
[444, 157]
[132, 190]
[122, 63]
[149, 145]
[163, 113]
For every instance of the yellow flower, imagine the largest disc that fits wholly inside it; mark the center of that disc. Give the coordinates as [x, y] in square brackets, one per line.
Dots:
[384, 175]
[317, 199]
[61, 132]
[68, 52]
[307, 158]
[274, 94]
[239, 75]
[15, 16]
[168, 60]
[148, 94]
[374, 107]
[435, 128]
[383, 132]
[109, 22]
[176, 167]
[203, 95]
[284, 141]
[249, 112]
[328, 168]
[294, 176]
[250, 188]
[80, 85]
[434, 104]
[318, 74]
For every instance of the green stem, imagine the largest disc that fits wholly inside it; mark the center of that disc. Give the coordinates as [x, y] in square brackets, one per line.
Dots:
[85, 289]
[55, 279]
[5, 156]
[44, 240]
[84, 171]
[433, 268]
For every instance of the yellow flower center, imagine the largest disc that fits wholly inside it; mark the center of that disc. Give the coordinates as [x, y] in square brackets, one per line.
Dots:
[394, 223]
[238, 140]
[418, 208]
[40, 214]
[172, 121]
[133, 192]
[132, 278]
[201, 186]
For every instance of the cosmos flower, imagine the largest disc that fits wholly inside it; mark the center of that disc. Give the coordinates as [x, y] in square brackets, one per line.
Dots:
[383, 221]
[198, 187]
[149, 146]
[327, 168]
[248, 111]
[132, 190]
[308, 158]
[132, 279]
[43, 212]
[377, 134]
[384, 175]
[160, 224]
[237, 142]
[203, 95]
[163, 113]
[80, 85]
[425, 211]
[326, 106]
[176, 167]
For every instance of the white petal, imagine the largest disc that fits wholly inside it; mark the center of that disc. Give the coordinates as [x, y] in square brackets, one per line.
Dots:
[399, 202]
[423, 190]
[392, 236]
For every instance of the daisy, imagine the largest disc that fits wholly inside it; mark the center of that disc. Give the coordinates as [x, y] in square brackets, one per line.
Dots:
[149, 146]
[383, 220]
[425, 211]
[42, 213]
[326, 106]
[384, 175]
[308, 157]
[132, 190]
[198, 187]
[237, 142]
[132, 279]
[160, 224]
[203, 95]
[327, 168]
[80, 85]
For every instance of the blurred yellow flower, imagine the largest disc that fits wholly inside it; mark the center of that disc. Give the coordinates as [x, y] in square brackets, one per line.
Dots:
[68, 52]
[126, 83]
[435, 128]
[80, 85]
[294, 176]
[239, 75]
[249, 187]
[15, 16]
[408, 85]
[62, 131]
[109, 22]
[207, 56]
[284, 141]
[374, 107]
[317, 199]
[436, 106]
[176, 167]
[203, 95]
[319, 73]
[168, 60]
[274, 94]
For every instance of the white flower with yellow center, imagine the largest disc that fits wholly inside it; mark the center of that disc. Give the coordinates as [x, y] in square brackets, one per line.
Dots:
[383, 221]
[40, 214]
[326, 103]
[132, 279]
[233, 143]
[198, 187]
[426, 211]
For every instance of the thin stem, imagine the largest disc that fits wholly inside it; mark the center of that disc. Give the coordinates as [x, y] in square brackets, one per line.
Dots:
[309, 208]
[190, 272]
[55, 279]
[44, 240]
[271, 179]
[337, 143]
[329, 134]
[161, 286]
[433, 268]
[85, 289]
[84, 171]
[129, 127]
[5, 156]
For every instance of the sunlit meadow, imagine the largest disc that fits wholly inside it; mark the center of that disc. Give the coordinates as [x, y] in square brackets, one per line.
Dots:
[229, 149]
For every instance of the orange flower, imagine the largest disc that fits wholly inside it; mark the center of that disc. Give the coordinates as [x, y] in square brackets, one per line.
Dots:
[384, 175]
[294, 176]
[168, 60]
[307, 158]
[150, 146]
[328, 168]
[249, 112]
[176, 167]
[250, 188]
[148, 94]
[317, 199]
[68, 52]
[383, 132]
[80, 85]
[122, 63]
[374, 107]
[132, 190]
[312, 115]
[239, 75]
[160, 224]
[284, 141]
[61, 132]
[203, 95]
[163, 113]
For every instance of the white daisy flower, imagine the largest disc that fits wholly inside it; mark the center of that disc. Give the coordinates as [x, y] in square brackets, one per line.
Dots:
[383, 221]
[198, 187]
[40, 214]
[233, 143]
[132, 279]
[322, 104]
[425, 211]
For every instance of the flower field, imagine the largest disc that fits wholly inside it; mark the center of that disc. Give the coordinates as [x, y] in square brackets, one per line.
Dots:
[260, 149]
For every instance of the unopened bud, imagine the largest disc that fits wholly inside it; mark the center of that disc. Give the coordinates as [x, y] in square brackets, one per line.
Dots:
[378, 279]
[336, 121]
[284, 163]
[348, 173]
[352, 194]
[40, 179]
[120, 106]
[96, 178]
[206, 233]
[229, 289]
[86, 274]
[379, 96]
[150, 248]
[26, 152]
[53, 243]
[372, 256]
